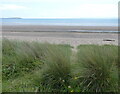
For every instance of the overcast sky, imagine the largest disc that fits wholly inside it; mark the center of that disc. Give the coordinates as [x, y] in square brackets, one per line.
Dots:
[59, 8]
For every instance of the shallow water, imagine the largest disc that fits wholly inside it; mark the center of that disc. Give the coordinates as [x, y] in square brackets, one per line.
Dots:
[69, 22]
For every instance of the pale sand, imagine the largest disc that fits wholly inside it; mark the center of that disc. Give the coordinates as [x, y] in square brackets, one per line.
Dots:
[74, 39]
[61, 34]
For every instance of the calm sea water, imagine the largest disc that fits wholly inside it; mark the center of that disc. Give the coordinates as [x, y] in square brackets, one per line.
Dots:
[71, 22]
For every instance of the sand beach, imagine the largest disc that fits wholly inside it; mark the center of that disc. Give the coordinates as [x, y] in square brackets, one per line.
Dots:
[62, 34]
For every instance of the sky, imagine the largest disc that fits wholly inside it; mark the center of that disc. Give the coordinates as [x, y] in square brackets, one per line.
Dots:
[59, 8]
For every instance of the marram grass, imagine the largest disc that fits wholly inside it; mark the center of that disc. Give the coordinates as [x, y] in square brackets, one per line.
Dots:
[43, 67]
[56, 72]
[97, 68]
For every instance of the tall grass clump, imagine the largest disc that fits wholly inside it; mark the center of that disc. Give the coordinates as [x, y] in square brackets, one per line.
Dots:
[97, 68]
[57, 70]
[8, 59]
[33, 66]
[21, 57]
[43, 67]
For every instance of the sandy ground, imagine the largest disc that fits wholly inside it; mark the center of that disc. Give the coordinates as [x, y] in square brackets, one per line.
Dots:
[58, 34]
[56, 28]
[71, 38]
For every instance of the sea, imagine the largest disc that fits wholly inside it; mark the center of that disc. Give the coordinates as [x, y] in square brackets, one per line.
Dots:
[65, 22]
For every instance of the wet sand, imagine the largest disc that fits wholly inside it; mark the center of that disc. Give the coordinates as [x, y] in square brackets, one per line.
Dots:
[28, 28]
[61, 34]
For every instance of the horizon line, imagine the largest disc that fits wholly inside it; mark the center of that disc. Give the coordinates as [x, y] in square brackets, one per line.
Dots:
[53, 18]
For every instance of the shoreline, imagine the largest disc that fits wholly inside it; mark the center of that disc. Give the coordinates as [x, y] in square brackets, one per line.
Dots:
[62, 34]
[73, 39]
[57, 28]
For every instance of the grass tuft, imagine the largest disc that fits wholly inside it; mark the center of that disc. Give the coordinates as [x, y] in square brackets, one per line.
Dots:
[98, 68]
[56, 71]
[43, 67]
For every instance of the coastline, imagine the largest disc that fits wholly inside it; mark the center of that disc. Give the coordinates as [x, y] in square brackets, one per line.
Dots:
[55, 28]
[71, 38]
[61, 34]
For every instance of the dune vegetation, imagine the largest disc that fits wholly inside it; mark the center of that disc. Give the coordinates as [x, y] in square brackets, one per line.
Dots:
[43, 67]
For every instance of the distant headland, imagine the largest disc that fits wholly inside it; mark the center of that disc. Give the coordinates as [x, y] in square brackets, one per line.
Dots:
[13, 18]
